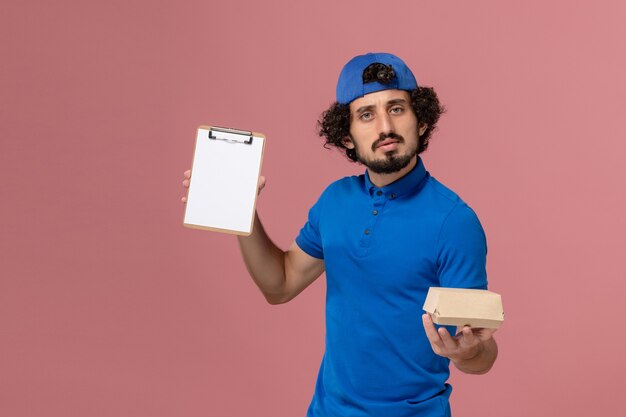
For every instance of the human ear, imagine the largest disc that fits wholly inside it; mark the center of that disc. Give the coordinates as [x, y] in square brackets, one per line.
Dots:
[422, 128]
[347, 142]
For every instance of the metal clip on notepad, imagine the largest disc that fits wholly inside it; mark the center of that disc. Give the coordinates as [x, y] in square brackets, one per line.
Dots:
[231, 135]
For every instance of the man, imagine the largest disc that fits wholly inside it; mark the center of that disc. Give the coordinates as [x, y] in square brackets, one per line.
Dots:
[383, 239]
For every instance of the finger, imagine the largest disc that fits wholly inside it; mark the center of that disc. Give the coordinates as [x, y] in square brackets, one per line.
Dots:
[186, 183]
[187, 174]
[448, 341]
[483, 333]
[260, 184]
[431, 332]
[467, 338]
[184, 199]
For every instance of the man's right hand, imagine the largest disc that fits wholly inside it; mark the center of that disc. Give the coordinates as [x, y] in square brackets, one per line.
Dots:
[187, 175]
[279, 275]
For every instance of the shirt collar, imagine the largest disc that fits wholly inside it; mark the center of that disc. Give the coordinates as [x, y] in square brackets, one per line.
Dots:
[412, 181]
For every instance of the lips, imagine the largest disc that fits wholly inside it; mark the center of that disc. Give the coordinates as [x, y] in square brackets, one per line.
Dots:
[387, 142]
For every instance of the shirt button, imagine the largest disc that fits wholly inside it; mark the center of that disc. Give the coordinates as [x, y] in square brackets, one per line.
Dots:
[379, 193]
[375, 212]
[367, 231]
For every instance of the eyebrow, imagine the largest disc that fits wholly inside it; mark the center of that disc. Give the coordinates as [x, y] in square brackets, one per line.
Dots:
[396, 101]
[389, 103]
[364, 108]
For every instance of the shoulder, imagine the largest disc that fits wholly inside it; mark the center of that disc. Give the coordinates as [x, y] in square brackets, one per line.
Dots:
[444, 195]
[344, 187]
[456, 214]
[335, 195]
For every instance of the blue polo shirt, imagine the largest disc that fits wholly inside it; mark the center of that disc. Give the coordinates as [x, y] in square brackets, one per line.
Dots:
[383, 248]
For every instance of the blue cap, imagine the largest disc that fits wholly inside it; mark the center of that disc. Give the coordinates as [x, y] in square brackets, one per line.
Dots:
[350, 85]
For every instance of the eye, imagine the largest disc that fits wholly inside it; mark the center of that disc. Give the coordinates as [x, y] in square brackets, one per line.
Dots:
[396, 110]
[365, 115]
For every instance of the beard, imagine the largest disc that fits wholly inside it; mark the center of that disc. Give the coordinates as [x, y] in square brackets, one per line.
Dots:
[391, 162]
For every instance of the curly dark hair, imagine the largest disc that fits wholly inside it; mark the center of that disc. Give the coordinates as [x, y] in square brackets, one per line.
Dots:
[334, 123]
[378, 72]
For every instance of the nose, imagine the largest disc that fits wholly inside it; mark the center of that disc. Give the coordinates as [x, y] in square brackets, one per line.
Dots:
[385, 124]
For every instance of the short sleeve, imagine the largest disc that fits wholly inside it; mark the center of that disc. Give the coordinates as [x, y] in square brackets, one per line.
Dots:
[462, 250]
[309, 239]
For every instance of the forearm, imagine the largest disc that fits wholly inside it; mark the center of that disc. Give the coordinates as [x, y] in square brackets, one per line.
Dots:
[265, 262]
[482, 361]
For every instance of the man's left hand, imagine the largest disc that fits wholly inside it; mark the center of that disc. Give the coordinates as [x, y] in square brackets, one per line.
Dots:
[466, 349]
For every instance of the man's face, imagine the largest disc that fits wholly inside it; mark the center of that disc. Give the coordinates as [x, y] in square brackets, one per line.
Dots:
[384, 131]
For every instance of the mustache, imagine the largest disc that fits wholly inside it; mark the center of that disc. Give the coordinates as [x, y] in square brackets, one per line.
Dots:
[384, 136]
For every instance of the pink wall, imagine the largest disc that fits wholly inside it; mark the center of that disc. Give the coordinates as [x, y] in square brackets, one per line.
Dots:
[109, 307]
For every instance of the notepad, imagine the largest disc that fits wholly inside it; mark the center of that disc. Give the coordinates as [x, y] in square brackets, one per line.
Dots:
[224, 180]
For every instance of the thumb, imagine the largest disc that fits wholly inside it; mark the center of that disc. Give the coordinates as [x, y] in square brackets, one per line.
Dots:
[261, 183]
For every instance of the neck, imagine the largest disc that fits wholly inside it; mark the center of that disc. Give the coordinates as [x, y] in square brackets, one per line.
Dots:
[380, 180]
